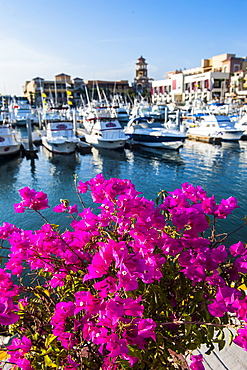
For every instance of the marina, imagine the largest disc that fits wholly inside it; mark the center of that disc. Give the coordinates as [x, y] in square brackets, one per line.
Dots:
[134, 112]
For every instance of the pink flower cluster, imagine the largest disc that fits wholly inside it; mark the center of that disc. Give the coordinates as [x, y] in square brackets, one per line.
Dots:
[31, 200]
[17, 350]
[116, 251]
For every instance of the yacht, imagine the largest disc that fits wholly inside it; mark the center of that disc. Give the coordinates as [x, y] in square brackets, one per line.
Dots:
[154, 134]
[103, 130]
[10, 141]
[241, 124]
[214, 128]
[20, 113]
[59, 137]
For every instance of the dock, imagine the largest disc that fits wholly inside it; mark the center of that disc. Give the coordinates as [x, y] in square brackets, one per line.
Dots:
[204, 139]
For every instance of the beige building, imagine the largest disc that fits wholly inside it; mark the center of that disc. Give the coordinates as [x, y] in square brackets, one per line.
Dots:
[64, 90]
[212, 80]
[60, 91]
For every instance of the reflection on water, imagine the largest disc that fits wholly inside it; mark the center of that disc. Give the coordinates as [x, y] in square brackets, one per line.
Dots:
[233, 146]
[61, 172]
[9, 172]
[119, 155]
[9, 168]
[62, 166]
[108, 161]
[172, 157]
[61, 159]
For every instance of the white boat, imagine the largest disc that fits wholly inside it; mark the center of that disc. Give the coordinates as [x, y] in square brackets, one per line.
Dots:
[154, 134]
[215, 128]
[10, 141]
[122, 114]
[20, 112]
[102, 130]
[59, 137]
[241, 124]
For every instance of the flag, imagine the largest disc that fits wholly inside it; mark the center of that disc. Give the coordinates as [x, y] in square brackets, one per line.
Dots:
[68, 85]
[44, 95]
[70, 102]
[69, 92]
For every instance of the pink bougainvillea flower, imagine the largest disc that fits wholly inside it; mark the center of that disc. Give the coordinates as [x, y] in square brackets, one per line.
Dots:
[65, 208]
[146, 328]
[6, 230]
[101, 272]
[82, 187]
[238, 249]
[241, 338]
[31, 199]
[196, 362]
[71, 364]
[17, 351]
[7, 316]
[226, 207]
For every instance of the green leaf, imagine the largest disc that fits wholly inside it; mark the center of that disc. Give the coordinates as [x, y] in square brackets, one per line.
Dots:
[221, 335]
[210, 333]
[134, 351]
[221, 344]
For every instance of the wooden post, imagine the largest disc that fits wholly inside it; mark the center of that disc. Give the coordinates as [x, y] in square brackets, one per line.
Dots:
[29, 133]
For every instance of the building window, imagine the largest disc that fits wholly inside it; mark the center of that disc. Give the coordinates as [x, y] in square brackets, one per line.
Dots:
[236, 67]
[217, 84]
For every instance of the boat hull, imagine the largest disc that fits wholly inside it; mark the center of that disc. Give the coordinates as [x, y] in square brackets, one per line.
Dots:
[9, 150]
[156, 139]
[215, 128]
[172, 144]
[214, 137]
[65, 147]
[105, 144]
[232, 135]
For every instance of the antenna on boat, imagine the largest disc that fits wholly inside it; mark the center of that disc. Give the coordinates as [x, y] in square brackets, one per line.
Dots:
[131, 101]
[92, 91]
[107, 102]
[88, 100]
[99, 95]
[83, 103]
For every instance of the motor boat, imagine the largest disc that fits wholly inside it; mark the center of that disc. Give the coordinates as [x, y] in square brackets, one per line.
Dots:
[103, 130]
[59, 137]
[154, 134]
[241, 124]
[10, 141]
[215, 128]
[20, 113]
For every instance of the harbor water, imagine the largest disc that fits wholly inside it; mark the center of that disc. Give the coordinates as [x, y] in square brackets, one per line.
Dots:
[219, 169]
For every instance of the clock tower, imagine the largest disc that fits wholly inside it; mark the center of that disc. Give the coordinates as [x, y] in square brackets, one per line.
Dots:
[141, 79]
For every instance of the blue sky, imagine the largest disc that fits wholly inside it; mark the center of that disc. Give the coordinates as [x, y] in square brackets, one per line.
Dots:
[102, 39]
